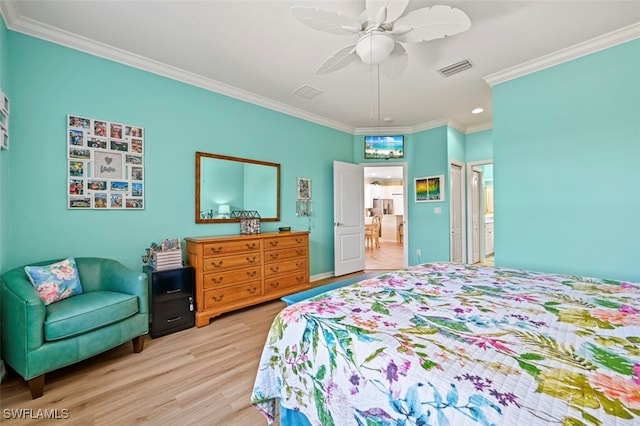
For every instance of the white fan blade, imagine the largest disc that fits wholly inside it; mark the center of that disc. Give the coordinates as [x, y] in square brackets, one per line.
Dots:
[339, 59]
[385, 11]
[430, 23]
[396, 64]
[323, 20]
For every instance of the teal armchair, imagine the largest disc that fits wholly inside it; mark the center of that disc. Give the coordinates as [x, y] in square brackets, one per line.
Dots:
[39, 338]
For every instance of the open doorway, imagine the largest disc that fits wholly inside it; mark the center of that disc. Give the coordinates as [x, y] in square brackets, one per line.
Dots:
[480, 213]
[385, 200]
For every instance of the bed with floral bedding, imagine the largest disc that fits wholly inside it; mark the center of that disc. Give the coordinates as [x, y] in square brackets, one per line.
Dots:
[447, 344]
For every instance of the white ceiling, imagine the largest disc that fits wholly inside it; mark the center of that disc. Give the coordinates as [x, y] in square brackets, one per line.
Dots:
[257, 51]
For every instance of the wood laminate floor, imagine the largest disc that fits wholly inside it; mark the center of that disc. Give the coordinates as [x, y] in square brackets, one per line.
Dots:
[199, 376]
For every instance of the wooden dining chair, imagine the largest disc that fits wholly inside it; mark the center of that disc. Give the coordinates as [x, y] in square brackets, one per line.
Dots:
[372, 232]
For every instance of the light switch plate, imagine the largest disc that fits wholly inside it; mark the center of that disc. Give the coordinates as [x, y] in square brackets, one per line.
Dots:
[437, 210]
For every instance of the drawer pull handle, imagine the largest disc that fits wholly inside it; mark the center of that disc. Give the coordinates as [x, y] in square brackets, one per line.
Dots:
[300, 278]
[275, 284]
[274, 268]
[250, 259]
[274, 243]
[251, 246]
[174, 319]
[177, 290]
[299, 252]
[299, 240]
[252, 290]
[299, 264]
[274, 255]
[216, 249]
[217, 265]
[217, 299]
[217, 280]
[251, 273]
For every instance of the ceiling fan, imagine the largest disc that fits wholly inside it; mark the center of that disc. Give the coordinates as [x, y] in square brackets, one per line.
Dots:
[381, 28]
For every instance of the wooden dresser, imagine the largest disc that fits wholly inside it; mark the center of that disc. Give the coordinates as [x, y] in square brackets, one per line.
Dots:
[236, 271]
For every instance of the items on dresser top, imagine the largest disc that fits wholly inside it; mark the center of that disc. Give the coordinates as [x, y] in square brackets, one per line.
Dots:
[233, 272]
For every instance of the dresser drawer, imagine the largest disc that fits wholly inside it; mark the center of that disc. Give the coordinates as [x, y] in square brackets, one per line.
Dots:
[220, 297]
[286, 242]
[234, 276]
[230, 247]
[278, 268]
[284, 254]
[223, 263]
[283, 282]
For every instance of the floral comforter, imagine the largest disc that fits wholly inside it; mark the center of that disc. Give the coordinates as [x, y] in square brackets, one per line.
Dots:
[445, 344]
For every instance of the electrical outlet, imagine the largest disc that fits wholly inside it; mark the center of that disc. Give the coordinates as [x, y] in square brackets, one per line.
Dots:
[418, 253]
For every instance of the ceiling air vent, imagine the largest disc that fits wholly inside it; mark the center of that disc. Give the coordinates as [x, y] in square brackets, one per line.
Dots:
[452, 69]
[307, 91]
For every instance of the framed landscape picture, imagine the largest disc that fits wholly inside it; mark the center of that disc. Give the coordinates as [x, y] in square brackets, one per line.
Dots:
[429, 189]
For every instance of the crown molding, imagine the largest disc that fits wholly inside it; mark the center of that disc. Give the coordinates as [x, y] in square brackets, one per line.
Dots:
[587, 47]
[17, 23]
[422, 127]
[458, 126]
[430, 125]
[479, 127]
[382, 131]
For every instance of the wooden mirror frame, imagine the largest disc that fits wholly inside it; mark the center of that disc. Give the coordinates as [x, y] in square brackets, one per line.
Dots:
[201, 155]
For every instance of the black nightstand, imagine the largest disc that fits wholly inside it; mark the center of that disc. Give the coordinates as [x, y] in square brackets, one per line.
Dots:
[171, 301]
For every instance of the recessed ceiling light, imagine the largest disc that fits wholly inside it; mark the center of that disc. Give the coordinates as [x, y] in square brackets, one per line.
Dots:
[388, 119]
[477, 110]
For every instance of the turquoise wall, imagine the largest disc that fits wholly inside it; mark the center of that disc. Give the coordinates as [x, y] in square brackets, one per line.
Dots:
[3, 154]
[429, 232]
[49, 81]
[479, 146]
[455, 145]
[567, 167]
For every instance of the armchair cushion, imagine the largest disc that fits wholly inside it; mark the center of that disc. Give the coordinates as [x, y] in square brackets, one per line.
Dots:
[55, 282]
[86, 312]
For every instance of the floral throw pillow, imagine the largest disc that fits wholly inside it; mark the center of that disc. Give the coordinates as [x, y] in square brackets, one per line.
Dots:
[56, 281]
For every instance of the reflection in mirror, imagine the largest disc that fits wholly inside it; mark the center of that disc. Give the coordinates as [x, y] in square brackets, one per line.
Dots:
[225, 184]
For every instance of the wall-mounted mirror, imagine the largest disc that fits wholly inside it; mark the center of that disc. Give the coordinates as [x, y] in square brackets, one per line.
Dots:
[225, 184]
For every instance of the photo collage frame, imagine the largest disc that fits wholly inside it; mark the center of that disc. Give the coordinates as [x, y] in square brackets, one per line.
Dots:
[105, 163]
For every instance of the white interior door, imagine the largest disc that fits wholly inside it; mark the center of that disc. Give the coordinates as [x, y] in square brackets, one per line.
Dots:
[348, 218]
[476, 217]
[457, 209]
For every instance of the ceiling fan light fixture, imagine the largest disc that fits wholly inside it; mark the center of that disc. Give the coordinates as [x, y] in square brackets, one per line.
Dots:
[375, 47]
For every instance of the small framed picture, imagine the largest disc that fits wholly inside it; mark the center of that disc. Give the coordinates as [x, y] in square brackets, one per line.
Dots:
[4, 139]
[100, 128]
[4, 120]
[76, 137]
[4, 103]
[100, 200]
[79, 202]
[429, 189]
[116, 131]
[80, 122]
[304, 188]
